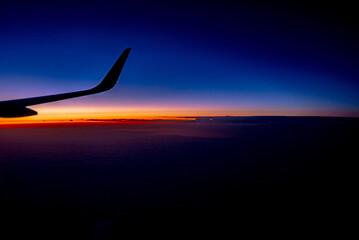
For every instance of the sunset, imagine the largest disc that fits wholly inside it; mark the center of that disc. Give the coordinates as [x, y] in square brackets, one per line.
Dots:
[206, 59]
[210, 117]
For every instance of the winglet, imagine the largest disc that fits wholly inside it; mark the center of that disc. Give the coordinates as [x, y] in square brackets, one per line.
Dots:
[112, 76]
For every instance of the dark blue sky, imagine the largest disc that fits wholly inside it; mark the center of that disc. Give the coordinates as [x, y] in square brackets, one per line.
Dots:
[207, 57]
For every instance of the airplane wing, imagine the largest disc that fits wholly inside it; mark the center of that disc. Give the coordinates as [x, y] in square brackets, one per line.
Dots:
[17, 107]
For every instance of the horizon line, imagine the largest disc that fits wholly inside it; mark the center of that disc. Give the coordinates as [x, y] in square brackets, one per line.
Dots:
[162, 119]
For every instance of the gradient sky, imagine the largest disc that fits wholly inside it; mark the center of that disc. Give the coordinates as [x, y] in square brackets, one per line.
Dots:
[187, 59]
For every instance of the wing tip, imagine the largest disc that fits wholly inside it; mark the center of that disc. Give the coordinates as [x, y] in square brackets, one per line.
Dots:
[112, 76]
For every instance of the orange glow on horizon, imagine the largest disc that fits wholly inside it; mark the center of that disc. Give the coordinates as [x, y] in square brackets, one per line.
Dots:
[86, 114]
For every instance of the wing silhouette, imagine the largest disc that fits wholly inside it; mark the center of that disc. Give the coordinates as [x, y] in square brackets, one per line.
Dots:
[17, 107]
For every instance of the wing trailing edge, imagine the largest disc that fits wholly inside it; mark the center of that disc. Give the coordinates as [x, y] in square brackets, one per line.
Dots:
[17, 107]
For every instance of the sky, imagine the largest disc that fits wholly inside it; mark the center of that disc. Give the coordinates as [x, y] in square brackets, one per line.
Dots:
[188, 58]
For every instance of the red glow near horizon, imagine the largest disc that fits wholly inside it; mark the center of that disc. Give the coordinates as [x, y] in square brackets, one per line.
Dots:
[64, 114]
